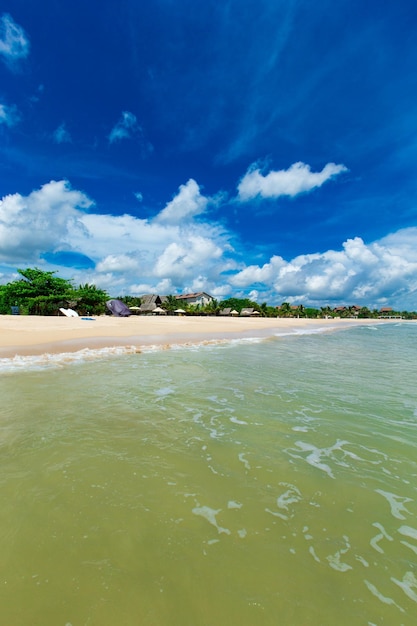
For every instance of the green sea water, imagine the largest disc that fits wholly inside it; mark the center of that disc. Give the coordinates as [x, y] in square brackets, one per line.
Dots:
[257, 483]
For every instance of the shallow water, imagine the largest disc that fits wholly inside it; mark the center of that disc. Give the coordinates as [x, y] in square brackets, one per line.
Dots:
[268, 482]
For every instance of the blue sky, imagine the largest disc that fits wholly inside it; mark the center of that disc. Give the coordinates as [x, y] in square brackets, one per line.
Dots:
[244, 148]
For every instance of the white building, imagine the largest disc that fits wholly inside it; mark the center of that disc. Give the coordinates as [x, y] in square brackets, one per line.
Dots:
[200, 298]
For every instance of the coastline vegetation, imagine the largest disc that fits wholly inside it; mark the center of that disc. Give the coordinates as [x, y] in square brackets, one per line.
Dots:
[41, 293]
[38, 292]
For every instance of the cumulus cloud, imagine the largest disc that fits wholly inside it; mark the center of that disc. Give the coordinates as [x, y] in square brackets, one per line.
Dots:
[179, 261]
[357, 274]
[172, 253]
[256, 274]
[298, 178]
[9, 115]
[186, 204]
[118, 263]
[33, 224]
[14, 44]
[125, 128]
[125, 252]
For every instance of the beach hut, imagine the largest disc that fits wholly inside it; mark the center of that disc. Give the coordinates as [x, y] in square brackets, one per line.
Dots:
[146, 309]
[226, 311]
[149, 303]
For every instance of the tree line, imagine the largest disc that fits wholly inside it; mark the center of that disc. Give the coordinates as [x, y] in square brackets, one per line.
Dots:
[42, 293]
[38, 292]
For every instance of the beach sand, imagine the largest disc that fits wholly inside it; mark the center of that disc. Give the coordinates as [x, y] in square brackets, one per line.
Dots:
[33, 335]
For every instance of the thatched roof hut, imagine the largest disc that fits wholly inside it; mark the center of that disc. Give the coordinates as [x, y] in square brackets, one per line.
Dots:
[149, 303]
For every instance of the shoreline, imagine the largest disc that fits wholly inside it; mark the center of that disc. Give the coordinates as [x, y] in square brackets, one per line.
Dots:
[34, 335]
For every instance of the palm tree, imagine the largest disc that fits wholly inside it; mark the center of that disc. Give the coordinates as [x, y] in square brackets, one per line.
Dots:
[170, 304]
[285, 310]
[91, 299]
[211, 308]
[326, 311]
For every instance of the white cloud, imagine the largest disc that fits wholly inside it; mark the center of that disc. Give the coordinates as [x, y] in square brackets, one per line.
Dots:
[9, 115]
[125, 128]
[255, 274]
[40, 221]
[359, 273]
[186, 204]
[178, 254]
[61, 135]
[298, 178]
[118, 263]
[183, 261]
[14, 44]
[126, 251]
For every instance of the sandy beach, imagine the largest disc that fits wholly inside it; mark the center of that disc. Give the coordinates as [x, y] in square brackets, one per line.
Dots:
[34, 335]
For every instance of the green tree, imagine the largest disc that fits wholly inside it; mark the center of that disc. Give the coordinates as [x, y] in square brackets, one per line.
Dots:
[43, 293]
[130, 300]
[299, 311]
[326, 311]
[185, 306]
[285, 310]
[91, 299]
[36, 293]
[269, 311]
[239, 303]
[171, 303]
[311, 312]
[211, 308]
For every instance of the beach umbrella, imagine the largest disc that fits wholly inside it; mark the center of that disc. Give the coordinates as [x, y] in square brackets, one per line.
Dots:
[179, 311]
[159, 311]
[136, 309]
[234, 312]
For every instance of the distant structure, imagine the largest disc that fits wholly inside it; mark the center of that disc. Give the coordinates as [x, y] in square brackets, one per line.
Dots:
[150, 302]
[387, 312]
[249, 312]
[153, 304]
[201, 298]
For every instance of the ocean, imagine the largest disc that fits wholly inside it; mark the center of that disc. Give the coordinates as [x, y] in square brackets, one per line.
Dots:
[260, 481]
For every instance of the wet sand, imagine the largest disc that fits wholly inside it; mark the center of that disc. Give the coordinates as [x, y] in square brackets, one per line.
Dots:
[33, 335]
